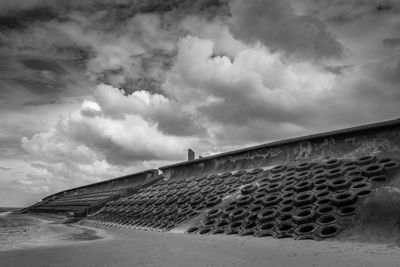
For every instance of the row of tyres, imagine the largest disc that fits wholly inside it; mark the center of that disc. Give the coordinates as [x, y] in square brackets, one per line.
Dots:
[311, 200]
[75, 202]
[166, 204]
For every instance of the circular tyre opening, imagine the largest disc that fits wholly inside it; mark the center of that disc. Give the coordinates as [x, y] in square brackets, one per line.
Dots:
[391, 165]
[351, 168]
[335, 172]
[260, 195]
[343, 196]
[205, 231]
[250, 225]
[327, 219]
[339, 182]
[222, 224]
[218, 231]
[267, 226]
[384, 160]
[277, 177]
[304, 175]
[360, 186]
[248, 233]
[213, 212]
[236, 225]
[269, 201]
[278, 168]
[303, 197]
[267, 213]
[329, 231]
[287, 209]
[238, 212]
[357, 179]
[346, 211]
[332, 163]
[232, 232]
[288, 195]
[248, 189]
[256, 209]
[285, 218]
[325, 209]
[304, 213]
[379, 178]
[372, 168]
[323, 201]
[306, 229]
[321, 188]
[302, 184]
[323, 194]
[285, 227]
[244, 200]
[209, 222]
[274, 186]
[320, 181]
[287, 201]
[289, 183]
[230, 208]
[308, 237]
[193, 230]
[363, 193]
[354, 173]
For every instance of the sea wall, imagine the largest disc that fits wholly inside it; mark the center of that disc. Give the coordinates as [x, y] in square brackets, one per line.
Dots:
[383, 137]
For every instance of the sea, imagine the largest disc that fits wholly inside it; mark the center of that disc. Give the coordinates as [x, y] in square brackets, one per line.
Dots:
[19, 231]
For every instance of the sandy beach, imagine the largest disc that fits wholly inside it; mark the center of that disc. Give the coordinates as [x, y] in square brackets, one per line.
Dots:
[36, 230]
[124, 247]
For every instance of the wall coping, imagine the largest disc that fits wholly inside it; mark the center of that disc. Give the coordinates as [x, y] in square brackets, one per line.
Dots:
[365, 127]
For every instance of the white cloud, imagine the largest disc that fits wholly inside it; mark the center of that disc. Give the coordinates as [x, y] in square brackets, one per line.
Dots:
[256, 85]
[89, 144]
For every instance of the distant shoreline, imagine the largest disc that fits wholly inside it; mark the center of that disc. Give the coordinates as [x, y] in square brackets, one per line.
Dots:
[5, 209]
[24, 231]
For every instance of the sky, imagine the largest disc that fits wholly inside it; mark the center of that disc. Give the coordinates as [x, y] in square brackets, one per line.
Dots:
[92, 90]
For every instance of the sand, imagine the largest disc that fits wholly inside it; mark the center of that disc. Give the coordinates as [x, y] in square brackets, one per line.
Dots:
[28, 231]
[124, 247]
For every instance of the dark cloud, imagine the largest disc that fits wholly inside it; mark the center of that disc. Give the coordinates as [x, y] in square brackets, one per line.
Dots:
[172, 122]
[392, 42]
[346, 12]
[275, 24]
[338, 70]
[51, 44]
[4, 168]
[20, 19]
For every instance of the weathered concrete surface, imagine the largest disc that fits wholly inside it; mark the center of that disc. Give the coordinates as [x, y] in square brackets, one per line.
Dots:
[379, 217]
[121, 186]
[370, 139]
[124, 181]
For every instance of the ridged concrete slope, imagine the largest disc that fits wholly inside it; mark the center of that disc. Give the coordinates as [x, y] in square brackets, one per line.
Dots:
[309, 200]
[88, 198]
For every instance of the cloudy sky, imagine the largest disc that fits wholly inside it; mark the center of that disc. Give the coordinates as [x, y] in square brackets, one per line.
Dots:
[91, 90]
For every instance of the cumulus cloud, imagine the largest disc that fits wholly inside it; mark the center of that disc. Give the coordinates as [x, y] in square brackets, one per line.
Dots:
[276, 24]
[107, 136]
[255, 86]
